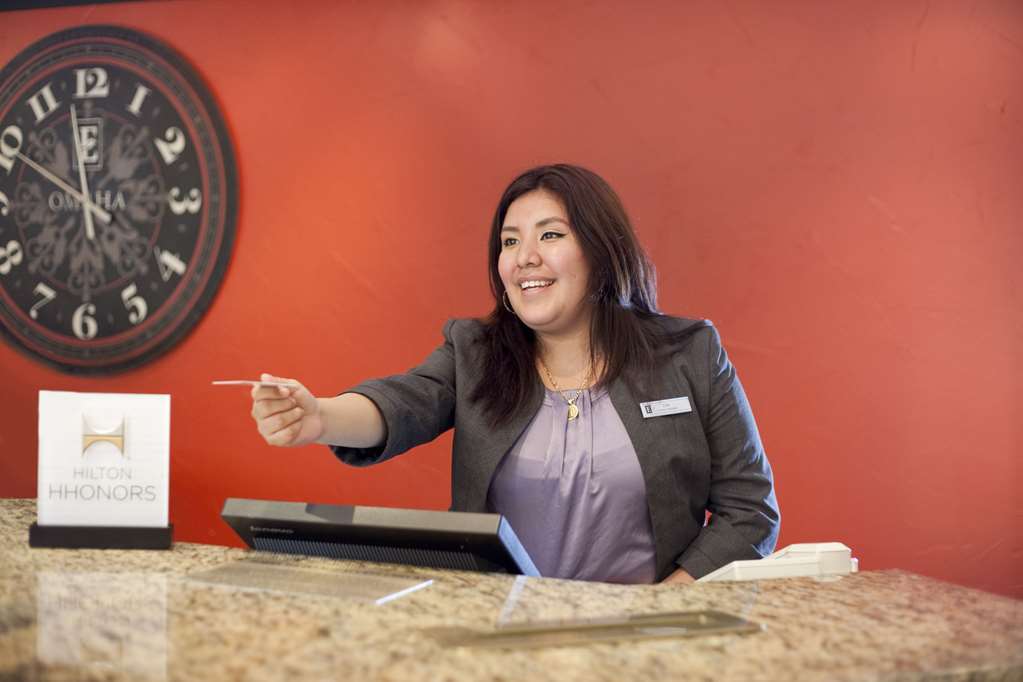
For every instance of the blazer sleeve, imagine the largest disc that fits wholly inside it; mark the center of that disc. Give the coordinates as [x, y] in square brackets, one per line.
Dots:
[744, 518]
[416, 406]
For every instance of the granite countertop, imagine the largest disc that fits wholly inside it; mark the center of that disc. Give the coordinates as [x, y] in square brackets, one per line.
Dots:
[199, 612]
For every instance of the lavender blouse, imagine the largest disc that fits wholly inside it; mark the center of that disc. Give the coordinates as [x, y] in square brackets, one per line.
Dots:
[574, 493]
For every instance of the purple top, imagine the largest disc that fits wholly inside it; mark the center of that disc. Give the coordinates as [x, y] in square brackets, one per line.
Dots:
[574, 493]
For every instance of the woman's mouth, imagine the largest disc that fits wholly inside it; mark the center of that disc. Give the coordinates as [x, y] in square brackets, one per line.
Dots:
[532, 287]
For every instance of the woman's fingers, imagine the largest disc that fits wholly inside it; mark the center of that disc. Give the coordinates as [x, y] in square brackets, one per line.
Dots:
[263, 408]
[281, 390]
[282, 413]
[275, 424]
[285, 436]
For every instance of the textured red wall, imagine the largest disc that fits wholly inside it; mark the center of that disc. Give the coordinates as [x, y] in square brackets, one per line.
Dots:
[837, 185]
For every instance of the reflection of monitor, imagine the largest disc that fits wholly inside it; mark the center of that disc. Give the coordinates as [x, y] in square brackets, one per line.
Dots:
[457, 540]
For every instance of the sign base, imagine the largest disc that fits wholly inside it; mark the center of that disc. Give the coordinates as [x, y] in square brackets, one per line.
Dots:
[100, 537]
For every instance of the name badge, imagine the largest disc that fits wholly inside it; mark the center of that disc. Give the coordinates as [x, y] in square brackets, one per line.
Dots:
[659, 408]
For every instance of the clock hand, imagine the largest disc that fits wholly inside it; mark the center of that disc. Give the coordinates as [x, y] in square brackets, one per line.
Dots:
[103, 215]
[90, 231]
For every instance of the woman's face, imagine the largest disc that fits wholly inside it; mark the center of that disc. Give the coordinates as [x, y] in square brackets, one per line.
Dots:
[542, 265]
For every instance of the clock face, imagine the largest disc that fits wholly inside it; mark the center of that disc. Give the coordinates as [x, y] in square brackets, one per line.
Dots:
[117, 199]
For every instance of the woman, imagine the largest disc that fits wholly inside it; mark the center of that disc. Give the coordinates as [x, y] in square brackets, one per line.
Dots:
[603, 430]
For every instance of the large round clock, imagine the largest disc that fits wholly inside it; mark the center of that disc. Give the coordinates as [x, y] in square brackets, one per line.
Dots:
[117, 199]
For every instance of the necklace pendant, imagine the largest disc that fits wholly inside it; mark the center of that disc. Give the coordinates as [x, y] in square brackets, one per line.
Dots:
[573, 411]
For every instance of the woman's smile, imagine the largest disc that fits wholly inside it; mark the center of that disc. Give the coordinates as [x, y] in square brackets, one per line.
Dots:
[534, 287]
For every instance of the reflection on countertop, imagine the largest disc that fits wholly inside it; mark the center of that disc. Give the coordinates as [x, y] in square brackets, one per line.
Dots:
[102, 622]
[199, 612]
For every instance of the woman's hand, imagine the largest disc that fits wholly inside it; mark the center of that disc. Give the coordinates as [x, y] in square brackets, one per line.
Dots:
[286, 416]
[679, 577]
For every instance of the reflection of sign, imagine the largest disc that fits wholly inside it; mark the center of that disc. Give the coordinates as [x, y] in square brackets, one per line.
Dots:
[92, 471]
[103, 625]
[92, 435]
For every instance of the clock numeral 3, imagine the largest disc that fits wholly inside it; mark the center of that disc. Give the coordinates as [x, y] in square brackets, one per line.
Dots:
[82, 322]
[10, 256]
[178, 206]
[135, 304]
[171, 148]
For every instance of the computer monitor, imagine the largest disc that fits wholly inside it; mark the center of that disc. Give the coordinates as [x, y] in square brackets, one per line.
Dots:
[437, 539]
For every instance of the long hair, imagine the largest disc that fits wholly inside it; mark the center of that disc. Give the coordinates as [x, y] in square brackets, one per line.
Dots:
[622, 287]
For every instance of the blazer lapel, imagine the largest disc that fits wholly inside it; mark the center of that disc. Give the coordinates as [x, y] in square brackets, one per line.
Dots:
[658, 448]
[489, 446]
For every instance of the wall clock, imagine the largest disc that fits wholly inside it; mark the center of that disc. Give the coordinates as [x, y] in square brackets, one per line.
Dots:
[118, 199]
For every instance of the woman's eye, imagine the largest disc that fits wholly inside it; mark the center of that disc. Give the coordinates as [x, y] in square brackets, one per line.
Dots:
[551, 235]
[509, 241]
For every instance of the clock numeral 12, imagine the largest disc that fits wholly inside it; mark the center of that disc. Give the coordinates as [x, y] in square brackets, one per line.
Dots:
[91, 83]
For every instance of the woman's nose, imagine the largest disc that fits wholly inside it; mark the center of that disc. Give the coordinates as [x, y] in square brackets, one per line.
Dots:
[528, 255]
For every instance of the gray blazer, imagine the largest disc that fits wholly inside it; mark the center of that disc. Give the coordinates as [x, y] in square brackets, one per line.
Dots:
[710, 459]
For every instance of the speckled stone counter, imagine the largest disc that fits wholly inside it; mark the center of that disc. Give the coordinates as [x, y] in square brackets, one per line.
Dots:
[156, 615]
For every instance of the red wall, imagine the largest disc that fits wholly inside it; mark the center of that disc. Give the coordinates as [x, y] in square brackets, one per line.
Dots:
[837, 185]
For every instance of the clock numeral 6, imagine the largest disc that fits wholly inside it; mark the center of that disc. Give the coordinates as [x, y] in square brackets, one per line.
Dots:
[10, 256]
[10, 145]
[171, 148]
[135, 304]
[82, 322]
[178, 205]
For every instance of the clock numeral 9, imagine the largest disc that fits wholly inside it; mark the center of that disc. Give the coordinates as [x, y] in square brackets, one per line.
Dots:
[10, 145]
[5, 204]
[178, 205]
[82, 322]
[135, 304]
[171, 148]
[10, 256]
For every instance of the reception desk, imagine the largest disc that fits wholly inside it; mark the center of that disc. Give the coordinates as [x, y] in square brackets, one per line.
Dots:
[199, 612]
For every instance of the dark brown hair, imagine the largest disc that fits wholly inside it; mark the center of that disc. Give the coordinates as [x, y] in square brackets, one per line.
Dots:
[622, 287]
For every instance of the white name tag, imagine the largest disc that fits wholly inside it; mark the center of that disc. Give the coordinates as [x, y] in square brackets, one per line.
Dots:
[659, 408]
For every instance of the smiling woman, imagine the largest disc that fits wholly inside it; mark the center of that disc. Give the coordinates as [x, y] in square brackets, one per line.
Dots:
[603, 430]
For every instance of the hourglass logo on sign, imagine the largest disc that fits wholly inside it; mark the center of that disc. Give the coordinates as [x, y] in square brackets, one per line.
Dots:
[104, 459]
[91, 435]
